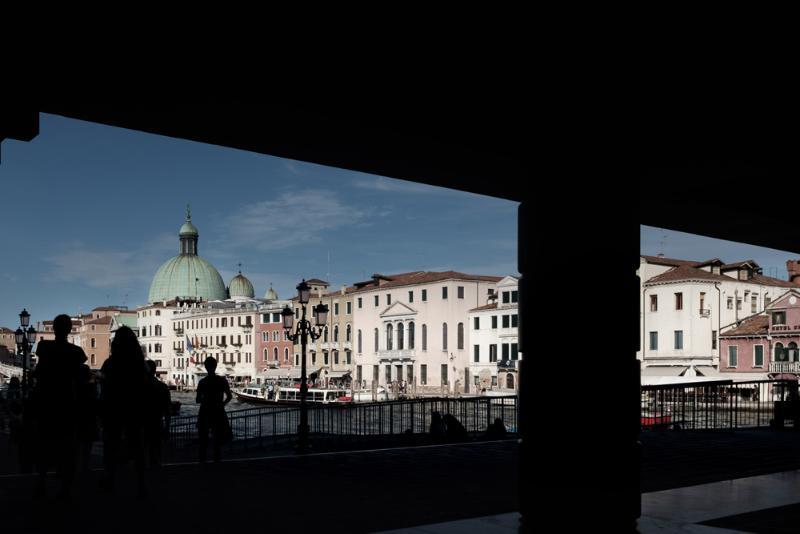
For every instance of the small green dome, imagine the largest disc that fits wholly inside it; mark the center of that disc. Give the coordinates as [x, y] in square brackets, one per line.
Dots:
[188, 229]
[240, 286]
[187, 276]
[271, 294]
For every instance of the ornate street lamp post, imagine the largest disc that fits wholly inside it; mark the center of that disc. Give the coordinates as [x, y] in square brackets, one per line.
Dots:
[303, 331]
[25, 336]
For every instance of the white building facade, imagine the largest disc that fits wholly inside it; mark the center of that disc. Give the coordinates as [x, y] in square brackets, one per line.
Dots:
[494, 340]
[413, 327]
[686, 304]
[222, 330]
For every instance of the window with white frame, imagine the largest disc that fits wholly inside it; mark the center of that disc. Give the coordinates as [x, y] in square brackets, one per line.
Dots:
[758, 356]
[732, 355]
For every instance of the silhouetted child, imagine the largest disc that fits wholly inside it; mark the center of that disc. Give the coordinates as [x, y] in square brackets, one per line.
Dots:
[496, 430]
[437, 428]
[212, 416]
[157, 415]
[123, 401]
[454, 430]
[55, 406]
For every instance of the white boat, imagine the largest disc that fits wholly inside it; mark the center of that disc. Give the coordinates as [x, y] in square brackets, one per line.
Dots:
[365, 395]
[291, 395]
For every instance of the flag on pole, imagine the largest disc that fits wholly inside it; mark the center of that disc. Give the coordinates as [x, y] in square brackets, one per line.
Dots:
[189, 345]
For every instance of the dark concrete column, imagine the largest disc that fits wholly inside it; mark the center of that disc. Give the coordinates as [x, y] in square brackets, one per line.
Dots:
[579, 379]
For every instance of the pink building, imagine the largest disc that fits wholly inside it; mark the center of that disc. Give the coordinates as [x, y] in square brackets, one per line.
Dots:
[273, 350]
[764, 345]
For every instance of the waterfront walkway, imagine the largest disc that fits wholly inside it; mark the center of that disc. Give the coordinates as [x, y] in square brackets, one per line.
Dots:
[365, 491]
[714, 482]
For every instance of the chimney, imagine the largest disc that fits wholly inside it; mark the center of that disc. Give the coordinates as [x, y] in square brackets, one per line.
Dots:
[793, 268]
[344, 290]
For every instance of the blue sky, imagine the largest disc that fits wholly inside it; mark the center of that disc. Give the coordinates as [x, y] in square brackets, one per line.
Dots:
[683, 246]
[89, 212]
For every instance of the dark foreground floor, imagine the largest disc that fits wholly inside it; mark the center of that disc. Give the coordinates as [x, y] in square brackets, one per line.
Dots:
[338, 492]
[675, 459]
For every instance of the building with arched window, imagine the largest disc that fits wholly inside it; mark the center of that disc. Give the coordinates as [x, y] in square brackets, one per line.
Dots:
[764, 345]
[400, 307]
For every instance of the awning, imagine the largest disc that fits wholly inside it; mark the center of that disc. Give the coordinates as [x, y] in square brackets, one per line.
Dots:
[664, 370]
[284, 373]
[666, 380]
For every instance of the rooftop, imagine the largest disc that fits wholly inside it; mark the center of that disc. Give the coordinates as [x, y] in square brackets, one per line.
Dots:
[756, 325]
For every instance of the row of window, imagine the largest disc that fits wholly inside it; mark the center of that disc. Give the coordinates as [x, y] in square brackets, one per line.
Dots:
[510, 351]
[401, 337]
[730, 301]
[782, 353]
[154, 331]
[678, 340]
[424, 296]
[146, 313]
[228, 357]
[398, 373]
[220, 341]
[220, 322]
[509, 321]
[275, 354]
[325, 357]
[276, 336]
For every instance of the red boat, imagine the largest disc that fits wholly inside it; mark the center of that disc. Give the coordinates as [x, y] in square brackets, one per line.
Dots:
[652, 420]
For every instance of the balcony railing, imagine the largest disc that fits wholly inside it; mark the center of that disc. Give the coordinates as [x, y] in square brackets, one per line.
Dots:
[178, 331]
[705, 313]
[396, 354]
[784, 367]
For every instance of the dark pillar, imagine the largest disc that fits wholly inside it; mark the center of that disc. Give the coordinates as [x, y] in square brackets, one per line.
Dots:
[579, 378]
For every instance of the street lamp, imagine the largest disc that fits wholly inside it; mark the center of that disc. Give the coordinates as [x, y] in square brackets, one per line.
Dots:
[25, 337]
[303, 331]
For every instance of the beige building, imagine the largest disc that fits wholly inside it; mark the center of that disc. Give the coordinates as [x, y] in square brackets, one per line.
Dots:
[331, 356]
[412, 327]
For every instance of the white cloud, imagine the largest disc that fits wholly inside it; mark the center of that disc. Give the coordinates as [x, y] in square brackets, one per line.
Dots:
[391, 185]
[97, 268]
[294, 218]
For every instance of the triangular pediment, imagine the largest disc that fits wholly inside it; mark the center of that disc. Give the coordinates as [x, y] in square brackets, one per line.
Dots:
[398, 309]
[784, 300]
[508, 281]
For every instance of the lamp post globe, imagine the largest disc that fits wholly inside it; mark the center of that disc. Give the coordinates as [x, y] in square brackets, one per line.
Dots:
[303, 292]
[24, 318]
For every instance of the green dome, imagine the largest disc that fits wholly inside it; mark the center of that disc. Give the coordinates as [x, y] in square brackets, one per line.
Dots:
[187, 275]
[271, 294]
[176, 278]
[240, 286]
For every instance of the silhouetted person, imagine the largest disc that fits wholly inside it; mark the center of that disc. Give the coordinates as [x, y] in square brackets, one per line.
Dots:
[122, 407]
[437, 426]
[87, 415]
[14, 389]
[454, 430]
[157, 414]
[496, 430]
[54, 404]
[212, 416]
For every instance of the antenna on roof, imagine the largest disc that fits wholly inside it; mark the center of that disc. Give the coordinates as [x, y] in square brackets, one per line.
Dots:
[661, 243]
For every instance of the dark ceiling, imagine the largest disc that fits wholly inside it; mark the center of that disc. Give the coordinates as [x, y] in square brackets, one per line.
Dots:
[461, 148]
